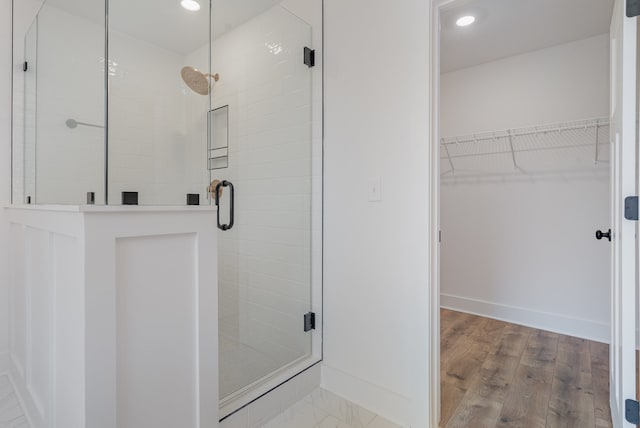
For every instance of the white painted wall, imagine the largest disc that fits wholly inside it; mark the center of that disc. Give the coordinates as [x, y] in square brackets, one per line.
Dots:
[376, 257]
[521, 246]
[566, 82]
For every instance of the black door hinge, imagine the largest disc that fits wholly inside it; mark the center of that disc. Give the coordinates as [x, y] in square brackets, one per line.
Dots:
[631, 208]
[309, 57]
[633, 8]
[632, 412]
[25, 66]
[309, 321]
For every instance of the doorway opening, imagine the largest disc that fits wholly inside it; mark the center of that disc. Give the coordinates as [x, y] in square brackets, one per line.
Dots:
[524, 155]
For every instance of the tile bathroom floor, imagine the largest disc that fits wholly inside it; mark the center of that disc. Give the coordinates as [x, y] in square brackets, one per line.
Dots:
[11, 414]
[320, 409]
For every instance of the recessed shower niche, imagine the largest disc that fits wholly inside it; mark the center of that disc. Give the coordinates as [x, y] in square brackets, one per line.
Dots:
[109, 112]
[219, 149]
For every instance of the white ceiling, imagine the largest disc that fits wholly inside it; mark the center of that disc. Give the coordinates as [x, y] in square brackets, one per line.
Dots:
[511, 27]
[164, 22]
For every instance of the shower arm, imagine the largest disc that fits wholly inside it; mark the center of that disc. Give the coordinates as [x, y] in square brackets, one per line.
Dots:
[72, 124]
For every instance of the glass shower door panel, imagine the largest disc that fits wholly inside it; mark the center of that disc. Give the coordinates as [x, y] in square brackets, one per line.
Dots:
[70, 119]
[159, 84]
[265, 259]
[30, 68]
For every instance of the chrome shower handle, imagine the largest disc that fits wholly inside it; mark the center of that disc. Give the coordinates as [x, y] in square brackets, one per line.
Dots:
[220, 185]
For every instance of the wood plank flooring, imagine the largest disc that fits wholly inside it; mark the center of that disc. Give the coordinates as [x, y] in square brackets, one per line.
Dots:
[496, 374]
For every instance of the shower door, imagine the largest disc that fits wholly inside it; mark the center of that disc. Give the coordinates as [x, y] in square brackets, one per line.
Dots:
[30, 68]
[260, 157]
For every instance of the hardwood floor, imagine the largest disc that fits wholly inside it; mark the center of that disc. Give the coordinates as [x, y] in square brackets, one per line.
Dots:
[496, 374]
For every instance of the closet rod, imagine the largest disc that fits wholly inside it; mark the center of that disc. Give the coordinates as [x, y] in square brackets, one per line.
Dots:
[597, 123]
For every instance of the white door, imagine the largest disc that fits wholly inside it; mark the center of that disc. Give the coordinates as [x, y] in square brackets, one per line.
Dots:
[624, 178]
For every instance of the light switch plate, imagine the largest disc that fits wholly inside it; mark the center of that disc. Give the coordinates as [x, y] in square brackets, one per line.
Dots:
[373, 190]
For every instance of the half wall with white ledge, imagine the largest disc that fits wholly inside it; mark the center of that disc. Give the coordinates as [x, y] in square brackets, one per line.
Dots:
[114, 315]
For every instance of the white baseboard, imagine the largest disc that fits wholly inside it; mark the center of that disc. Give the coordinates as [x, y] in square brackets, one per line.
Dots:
[381, 401]
[586, 329]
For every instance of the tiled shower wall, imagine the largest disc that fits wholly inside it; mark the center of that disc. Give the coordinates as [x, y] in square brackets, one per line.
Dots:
[158, 128]
[157, 133]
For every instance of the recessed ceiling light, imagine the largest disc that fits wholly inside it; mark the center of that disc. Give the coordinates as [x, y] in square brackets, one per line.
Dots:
[465, 20]
[191, 5]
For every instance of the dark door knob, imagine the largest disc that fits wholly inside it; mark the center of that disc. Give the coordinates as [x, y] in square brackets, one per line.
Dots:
[600, 234]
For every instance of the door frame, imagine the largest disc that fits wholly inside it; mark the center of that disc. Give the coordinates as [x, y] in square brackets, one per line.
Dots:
[623, 36]
[434, 202]
[436, 6]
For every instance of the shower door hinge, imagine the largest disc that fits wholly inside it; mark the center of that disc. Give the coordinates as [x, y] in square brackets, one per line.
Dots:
[309, 321]
[309, 57]
[633, 8]
[25, 66]
[631, 208]
[632, 412]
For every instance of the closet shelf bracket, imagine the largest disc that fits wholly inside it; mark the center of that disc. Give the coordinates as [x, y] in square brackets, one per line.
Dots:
[513, 153]
[453, 169]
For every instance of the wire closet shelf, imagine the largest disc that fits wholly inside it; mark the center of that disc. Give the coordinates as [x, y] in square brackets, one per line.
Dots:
[513, 143]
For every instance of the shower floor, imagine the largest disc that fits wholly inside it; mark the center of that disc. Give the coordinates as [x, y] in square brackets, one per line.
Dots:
[242, 365]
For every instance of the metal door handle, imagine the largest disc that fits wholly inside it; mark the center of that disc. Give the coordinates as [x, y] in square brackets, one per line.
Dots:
[225, 183]
[600, 234]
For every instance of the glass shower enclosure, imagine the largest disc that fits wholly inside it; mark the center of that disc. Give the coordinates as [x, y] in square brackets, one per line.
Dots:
[186, 102]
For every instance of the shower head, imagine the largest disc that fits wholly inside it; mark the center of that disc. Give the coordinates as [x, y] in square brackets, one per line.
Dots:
[198, 81]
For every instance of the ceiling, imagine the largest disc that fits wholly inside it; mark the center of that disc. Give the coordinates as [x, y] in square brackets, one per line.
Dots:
[511, 27]
[164, 22]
